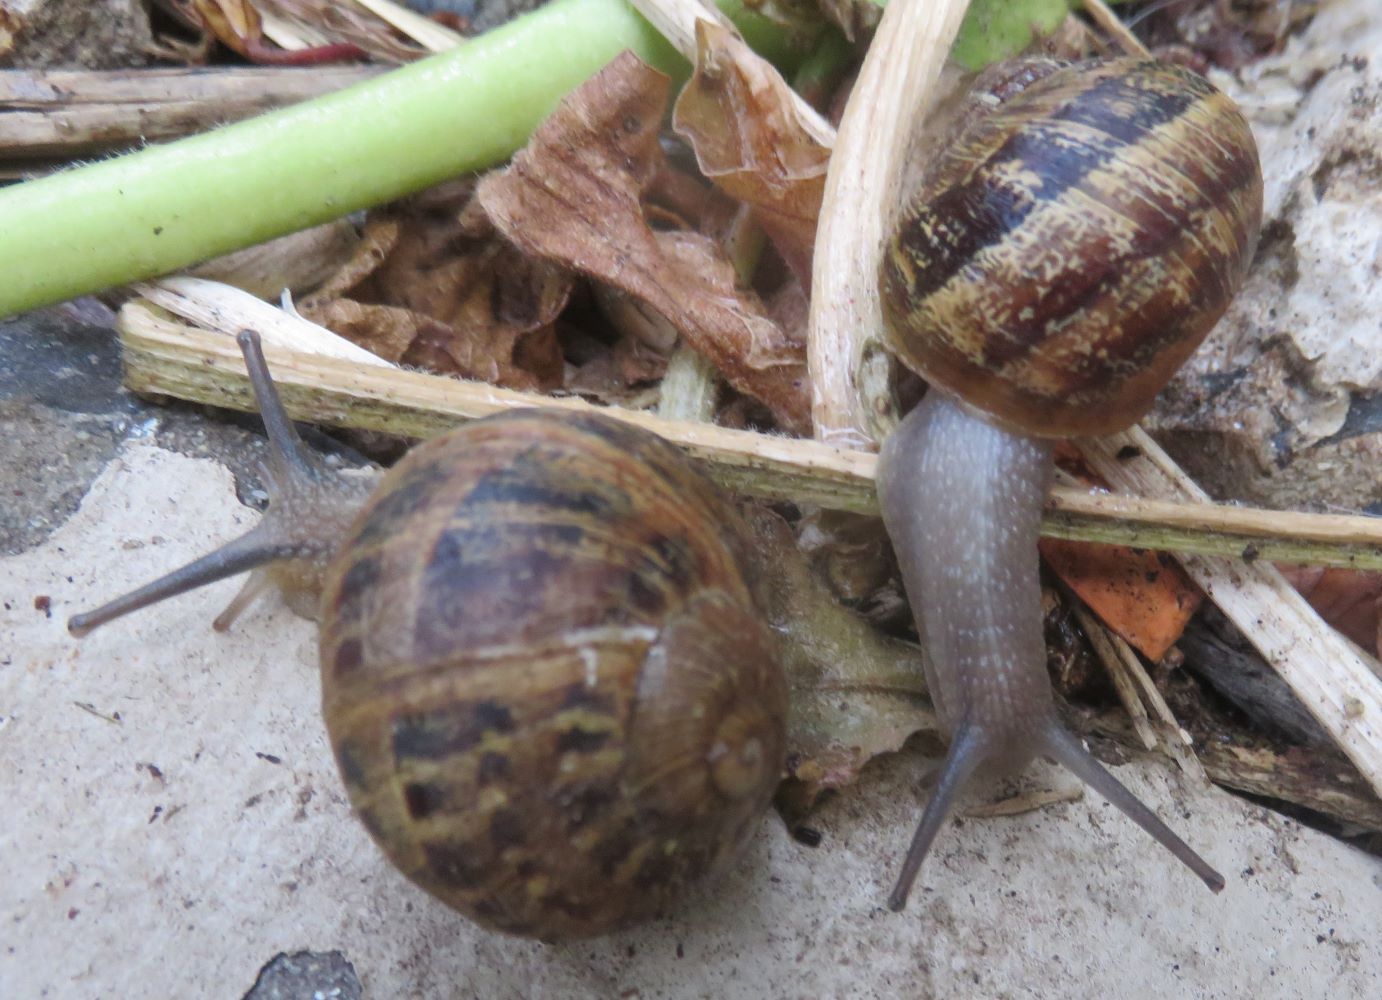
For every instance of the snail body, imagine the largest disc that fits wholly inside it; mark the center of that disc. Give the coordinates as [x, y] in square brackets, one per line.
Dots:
[549, 693]
[1059, 262]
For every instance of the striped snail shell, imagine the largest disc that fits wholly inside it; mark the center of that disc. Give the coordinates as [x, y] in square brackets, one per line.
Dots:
[1069, 251]
[549, 692]
[551, 696]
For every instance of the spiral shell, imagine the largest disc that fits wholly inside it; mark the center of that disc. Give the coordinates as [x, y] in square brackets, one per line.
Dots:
[547, 687]
[1066, 254]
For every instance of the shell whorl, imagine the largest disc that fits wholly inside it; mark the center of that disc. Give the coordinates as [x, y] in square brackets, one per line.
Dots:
[1071, 248]
[548, 692]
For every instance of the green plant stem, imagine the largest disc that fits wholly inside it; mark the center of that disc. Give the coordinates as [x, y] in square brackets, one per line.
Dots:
[166, 207]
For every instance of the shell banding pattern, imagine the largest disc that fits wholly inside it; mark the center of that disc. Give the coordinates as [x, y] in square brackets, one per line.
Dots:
[548, 693]
[1066, 254]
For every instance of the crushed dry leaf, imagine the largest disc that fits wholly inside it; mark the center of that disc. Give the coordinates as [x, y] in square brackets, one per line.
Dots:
[239, 26]
[738, 116]
[573, 197]
[856, 693]
[433, 286]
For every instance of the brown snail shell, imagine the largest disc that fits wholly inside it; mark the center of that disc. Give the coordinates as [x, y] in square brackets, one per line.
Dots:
[1066, 254]
[550, 693]
[551, 700]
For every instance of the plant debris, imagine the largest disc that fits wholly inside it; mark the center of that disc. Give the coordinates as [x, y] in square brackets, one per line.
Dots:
[1348, 599]
[601, 252]
[239, 26]
[432, 285]
[573, 196]
[740, 120]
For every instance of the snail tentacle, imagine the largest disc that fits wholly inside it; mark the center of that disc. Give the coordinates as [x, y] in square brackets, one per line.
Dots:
[966, 754]
[1066, 749]
[309, 505]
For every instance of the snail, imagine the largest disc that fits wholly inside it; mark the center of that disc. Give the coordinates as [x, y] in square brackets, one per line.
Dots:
[549, 693]
[1061, 258]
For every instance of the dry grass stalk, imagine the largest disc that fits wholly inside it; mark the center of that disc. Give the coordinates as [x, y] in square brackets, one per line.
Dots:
[289, 34]
[1114, 27]
[429, 34]
[1136, 691]
[168, 357]
[851, 399]
[1177, 742]
[1339, 685]
[1101, 641]
[66, 114]
[690, 387]
[223, 307]
[1016, 805]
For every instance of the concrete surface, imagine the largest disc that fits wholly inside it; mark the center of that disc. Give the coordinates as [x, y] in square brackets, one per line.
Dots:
[175, 822]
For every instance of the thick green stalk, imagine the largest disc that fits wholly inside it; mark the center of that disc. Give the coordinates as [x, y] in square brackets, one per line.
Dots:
[165, 207]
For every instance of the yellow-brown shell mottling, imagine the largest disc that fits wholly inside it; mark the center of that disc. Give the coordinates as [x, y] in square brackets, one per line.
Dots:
[1066, 254]
[551, 699]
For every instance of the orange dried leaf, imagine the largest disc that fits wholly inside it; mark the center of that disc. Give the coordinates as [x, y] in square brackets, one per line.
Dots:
[738, 115]
[1143, 596]
[573, 196]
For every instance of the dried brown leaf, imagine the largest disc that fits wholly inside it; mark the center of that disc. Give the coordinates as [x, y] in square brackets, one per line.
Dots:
[850, 552]
[347, 23]
[378, 240]
[238, 25]
[387, 331]
[573, 196]
[739, 117]
[434, 286]
[634, 318]
[760, 345]
[299, 262]
[687, 202]
[622, 375]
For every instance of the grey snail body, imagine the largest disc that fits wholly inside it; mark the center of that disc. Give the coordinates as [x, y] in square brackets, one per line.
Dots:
[1062, 258]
